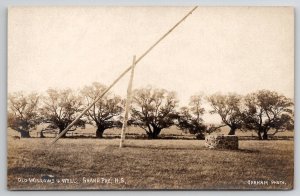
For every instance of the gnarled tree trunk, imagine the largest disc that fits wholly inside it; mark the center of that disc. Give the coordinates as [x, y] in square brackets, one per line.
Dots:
[259, 135]
[154, 134]
[232, 131]
[42, 134]
[24, 133]
[61, 130]
[200, 136]
[265, 135]
[99, 132]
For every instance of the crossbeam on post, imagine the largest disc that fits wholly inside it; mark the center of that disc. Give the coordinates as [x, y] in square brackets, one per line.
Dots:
[128, 103]
[122, 74]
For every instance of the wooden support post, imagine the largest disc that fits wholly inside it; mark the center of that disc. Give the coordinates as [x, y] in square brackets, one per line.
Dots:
[128, 103]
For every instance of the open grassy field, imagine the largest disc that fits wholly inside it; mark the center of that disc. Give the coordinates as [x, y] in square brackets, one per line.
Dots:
[147, 164]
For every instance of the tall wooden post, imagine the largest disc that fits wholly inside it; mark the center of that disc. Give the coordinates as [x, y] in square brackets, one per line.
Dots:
[128, 103]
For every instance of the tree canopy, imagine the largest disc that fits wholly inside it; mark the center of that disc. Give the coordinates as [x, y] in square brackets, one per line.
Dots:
[23, 112]
[106, 112]
[190, 117]
[60, 108]
[153, 109]
[266, 110]
[228, 107]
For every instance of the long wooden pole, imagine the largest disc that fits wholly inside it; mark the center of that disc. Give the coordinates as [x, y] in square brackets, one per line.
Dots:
[128, 103]
[122, 74]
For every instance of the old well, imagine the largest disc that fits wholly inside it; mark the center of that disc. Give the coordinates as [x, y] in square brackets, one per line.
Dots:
[222, 142]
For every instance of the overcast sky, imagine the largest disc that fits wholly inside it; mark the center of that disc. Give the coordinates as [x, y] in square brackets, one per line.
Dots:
[216, 49]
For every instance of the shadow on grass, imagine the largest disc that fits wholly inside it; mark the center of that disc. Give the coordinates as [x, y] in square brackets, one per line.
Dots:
[128, 146]
[248, 151]
[29, 170]
[237, 150]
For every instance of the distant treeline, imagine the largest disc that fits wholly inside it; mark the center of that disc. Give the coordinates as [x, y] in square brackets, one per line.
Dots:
[152, 109]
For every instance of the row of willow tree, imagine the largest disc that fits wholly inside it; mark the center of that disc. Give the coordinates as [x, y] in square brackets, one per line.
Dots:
[152, 109]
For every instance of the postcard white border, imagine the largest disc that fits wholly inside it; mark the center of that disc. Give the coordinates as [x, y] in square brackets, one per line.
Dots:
[4, 4]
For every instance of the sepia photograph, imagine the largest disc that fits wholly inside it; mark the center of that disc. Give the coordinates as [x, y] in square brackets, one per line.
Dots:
[150, 98]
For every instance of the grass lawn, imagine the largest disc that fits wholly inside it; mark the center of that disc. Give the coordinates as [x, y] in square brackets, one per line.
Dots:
[148, 164]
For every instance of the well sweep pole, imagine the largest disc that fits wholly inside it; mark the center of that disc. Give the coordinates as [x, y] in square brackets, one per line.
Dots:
[122, 74]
